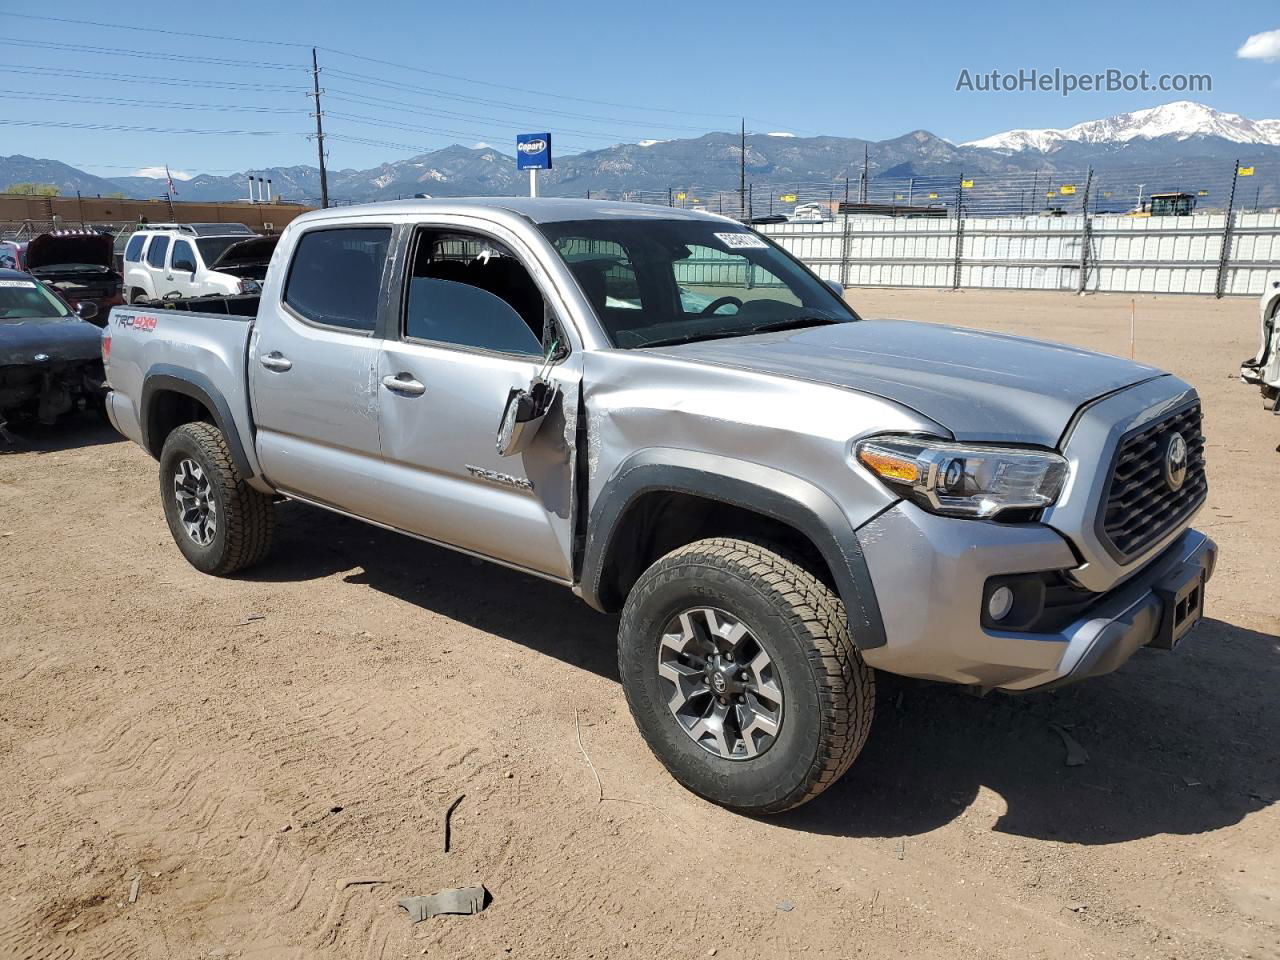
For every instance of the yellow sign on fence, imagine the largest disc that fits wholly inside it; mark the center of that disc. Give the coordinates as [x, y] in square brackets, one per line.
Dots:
[933, 196]
[788, 198]
[679, 196]
[1202, 193]
[966, 184]
[1246, 171]
[1067, 189]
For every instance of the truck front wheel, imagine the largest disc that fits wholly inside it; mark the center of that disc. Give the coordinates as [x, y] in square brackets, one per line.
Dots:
[218, 521]
[739, 670]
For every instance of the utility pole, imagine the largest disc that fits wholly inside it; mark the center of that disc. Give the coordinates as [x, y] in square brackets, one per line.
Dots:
[315, 84]
[742, 172]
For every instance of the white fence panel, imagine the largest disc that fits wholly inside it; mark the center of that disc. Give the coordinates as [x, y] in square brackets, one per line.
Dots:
[1125, 254]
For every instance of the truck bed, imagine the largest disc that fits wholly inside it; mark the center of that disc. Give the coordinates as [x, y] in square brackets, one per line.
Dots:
[165, 348]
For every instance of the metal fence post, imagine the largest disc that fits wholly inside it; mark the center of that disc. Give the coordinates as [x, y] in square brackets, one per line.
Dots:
[1221, 281]
[844, 250]
[1086, 233]
[955, 282]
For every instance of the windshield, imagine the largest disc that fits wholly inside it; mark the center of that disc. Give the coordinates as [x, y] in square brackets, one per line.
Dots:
[655, 282]
[28, 300]
[211, 248]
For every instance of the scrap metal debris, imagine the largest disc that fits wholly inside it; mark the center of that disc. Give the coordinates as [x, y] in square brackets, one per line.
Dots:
[1077, 756]
[133, 888]
[463, 900]
[448, 821]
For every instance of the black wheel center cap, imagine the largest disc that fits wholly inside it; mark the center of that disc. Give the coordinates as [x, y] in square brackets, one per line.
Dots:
[723, 676]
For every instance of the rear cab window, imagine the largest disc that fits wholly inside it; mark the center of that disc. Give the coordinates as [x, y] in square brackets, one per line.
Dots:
[335, 277]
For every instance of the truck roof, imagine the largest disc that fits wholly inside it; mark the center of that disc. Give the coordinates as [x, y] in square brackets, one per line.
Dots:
[535, 209]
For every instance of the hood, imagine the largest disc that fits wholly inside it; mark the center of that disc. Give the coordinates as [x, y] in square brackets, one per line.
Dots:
[980, 386]
[49, 249]
[254, 252]
[61, 339]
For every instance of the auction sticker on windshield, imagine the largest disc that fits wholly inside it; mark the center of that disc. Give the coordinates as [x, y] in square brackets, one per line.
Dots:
[28, 284]
[741, 241]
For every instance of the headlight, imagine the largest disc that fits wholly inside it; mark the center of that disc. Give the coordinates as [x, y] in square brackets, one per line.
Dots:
[964, 479]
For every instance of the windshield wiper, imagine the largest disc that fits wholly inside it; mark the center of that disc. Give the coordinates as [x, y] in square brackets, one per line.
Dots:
[695, 337]
[793, 323]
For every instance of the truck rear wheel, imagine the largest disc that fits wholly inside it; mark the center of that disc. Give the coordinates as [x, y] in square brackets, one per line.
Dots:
[218, 521]
[740, 672]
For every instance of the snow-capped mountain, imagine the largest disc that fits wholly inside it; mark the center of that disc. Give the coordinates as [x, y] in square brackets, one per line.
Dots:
[1181, 120]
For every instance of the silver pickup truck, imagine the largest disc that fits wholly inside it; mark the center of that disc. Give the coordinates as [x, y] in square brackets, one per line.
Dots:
[670, 415]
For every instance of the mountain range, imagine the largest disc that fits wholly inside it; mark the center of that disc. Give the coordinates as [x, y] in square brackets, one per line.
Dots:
[1181, 136]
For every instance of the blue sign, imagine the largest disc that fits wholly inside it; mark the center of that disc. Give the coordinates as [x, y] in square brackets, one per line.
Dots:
[533, 151]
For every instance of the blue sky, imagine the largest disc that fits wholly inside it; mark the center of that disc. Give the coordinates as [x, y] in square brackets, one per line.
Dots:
[592, 73]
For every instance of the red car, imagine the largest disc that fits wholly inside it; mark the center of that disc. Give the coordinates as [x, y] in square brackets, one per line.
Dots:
[78, 266]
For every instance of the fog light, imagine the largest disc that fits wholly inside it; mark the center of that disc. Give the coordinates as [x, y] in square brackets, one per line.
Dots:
[999, 603]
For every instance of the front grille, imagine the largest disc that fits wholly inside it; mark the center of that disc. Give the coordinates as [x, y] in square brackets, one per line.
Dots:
[1140, 506]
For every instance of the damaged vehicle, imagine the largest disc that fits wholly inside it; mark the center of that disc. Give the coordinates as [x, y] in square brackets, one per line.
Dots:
[669, 415]
[79, 265]
[179, 260]
[1263, 370]
[50, 356]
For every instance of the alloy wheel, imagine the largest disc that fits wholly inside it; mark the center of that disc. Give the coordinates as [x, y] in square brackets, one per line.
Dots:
[720, 683]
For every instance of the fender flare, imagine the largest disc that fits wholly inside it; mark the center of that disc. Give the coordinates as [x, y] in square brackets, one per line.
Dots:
[764, 490]
[189, 383]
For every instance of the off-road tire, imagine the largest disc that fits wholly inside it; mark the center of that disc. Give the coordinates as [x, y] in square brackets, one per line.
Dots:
[246, 519]
[829, 692]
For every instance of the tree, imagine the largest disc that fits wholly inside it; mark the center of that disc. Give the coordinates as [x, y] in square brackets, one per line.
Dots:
[33, 189]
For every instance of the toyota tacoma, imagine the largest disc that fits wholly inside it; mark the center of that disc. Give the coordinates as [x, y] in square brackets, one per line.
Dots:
[670, 415]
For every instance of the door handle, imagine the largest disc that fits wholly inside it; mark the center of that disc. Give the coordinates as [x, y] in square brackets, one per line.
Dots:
[275, 360]
[404, 383]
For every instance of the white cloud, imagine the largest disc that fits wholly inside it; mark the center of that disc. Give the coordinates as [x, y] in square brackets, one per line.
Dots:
[158, 173]
[1261, 46]
[779, 133]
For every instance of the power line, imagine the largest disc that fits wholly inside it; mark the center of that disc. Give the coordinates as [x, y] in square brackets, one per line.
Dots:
[162, 104]
[123, 127]
[163, 81]
[355, 56]
[151, 54]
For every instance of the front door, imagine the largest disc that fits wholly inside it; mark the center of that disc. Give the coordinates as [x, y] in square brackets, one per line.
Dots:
[180, 276]
[470, 331]
[312, 366]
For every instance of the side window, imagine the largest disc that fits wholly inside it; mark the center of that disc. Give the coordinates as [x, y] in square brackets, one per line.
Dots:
[471, 291]
[133, 252]
[155, 253]
[184, 258]
[335, 276]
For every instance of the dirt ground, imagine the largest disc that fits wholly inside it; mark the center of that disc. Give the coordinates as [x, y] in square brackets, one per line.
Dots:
[272, 755]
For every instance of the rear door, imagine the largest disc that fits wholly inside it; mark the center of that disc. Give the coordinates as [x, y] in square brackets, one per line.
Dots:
[313, 363]
[156, 265]
[470, 329]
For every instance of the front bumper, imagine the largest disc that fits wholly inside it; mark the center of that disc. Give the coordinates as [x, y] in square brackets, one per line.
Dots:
[929, 573]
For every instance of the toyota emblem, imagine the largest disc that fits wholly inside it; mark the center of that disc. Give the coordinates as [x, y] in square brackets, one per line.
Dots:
[1175, 462]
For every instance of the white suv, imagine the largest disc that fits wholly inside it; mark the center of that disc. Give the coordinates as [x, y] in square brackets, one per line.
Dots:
[167, 260]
